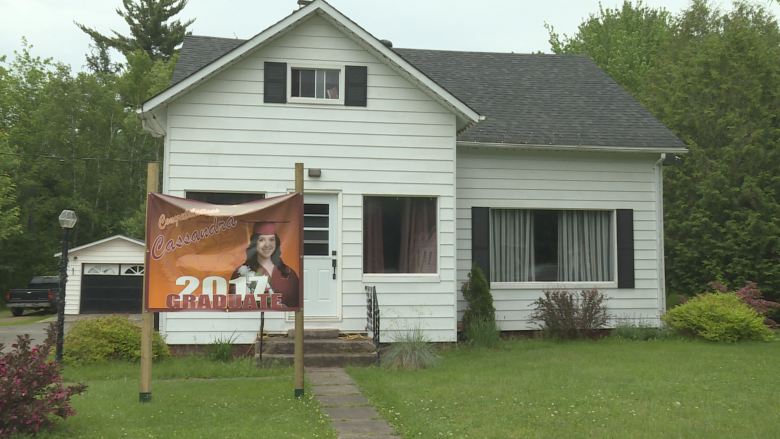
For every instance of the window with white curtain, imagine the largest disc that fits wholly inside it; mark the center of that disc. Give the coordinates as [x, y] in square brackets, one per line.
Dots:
[551, 245]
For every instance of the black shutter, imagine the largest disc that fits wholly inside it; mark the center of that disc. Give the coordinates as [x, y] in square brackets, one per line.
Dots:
[480, 239]
[275, 88]
[625, 248]
[356, 84]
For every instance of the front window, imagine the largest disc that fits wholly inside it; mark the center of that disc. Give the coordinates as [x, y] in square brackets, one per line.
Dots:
[551, 246]
[317, 84]
[399, 235]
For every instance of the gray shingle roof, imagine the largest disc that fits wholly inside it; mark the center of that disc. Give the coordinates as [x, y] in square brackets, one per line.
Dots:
[526, 98]
[542, 99]
[198, 52]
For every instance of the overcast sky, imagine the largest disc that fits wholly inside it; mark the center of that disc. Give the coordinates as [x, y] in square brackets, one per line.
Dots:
[474, 25]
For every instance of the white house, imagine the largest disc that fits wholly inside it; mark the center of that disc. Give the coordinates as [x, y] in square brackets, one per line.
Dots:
[539, 168]
[105, 276]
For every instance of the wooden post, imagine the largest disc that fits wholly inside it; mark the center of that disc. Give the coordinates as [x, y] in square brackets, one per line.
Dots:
[147, 318]
[299, 314]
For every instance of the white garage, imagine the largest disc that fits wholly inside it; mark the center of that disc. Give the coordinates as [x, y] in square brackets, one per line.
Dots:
[105, 277]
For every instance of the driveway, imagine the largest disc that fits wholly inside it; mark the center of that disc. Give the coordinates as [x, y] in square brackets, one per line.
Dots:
[37, 330]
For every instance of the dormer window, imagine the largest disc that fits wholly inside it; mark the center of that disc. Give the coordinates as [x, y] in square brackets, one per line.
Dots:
[317, 84]
[324, 83]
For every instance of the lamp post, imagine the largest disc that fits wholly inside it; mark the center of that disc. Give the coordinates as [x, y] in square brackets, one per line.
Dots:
[68, 219]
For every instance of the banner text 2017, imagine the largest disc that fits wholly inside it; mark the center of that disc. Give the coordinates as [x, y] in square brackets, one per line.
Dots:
[214, 294]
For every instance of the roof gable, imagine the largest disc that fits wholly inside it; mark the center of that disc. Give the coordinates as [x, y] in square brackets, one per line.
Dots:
[138, 242]
[223, 53]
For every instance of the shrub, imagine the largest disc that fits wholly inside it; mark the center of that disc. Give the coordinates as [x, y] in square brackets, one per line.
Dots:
[32, 395]
[483, 332]
[569, 315]
[752, 297]
[718, 317]
[477, 295]
[411, 350]
[221, 349]
[108, 338]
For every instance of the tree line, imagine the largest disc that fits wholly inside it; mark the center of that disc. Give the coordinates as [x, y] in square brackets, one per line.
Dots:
[712, 77]
[72, 141]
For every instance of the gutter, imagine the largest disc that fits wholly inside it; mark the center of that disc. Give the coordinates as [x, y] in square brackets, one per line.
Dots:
[146, 122]
[591, 148]
[658, 169]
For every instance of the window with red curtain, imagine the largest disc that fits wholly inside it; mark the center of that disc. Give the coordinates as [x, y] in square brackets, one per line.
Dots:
[399, 235]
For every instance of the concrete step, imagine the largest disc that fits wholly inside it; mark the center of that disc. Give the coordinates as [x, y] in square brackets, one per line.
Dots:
[319, 360]
[315, 346]
[322, 333]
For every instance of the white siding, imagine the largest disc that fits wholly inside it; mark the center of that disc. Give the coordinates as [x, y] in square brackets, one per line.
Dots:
[222, 137]
[115, 251]
[525, 179]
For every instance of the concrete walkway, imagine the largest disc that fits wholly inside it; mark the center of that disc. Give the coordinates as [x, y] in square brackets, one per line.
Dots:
[348, 410]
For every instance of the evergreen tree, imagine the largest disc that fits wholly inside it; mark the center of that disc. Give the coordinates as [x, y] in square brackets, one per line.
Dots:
[477, 294]
[99, 60]
[152, 28]
[716, 86]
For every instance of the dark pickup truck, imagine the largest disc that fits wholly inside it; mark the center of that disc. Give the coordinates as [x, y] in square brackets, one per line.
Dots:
[41, 293]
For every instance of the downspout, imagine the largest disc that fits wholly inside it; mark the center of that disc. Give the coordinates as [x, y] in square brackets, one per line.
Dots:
[659, 212]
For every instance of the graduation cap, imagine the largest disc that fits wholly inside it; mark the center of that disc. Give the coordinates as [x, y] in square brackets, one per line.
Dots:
[266, 227]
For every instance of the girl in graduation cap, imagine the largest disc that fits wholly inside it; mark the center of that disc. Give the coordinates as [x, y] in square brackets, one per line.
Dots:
[264, 258]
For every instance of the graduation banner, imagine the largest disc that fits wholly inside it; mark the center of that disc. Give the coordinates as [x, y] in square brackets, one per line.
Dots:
[213, 257]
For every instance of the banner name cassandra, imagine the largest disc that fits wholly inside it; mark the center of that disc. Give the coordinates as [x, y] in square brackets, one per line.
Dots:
[164, 221]
[160, 247]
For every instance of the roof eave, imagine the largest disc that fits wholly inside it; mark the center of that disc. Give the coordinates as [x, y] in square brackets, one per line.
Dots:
[591, 148]
[101, 241]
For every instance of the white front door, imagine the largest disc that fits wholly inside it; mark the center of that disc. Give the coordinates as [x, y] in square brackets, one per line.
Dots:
[320, 243]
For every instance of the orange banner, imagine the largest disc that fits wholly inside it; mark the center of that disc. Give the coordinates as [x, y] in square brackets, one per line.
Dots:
[212, 257]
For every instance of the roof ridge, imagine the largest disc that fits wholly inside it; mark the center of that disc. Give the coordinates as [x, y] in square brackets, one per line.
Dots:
[490, 53]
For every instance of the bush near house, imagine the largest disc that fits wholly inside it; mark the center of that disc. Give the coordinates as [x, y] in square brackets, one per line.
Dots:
[479, 319]
[32, 395]
[568, 315]
[753, 297]
[718, 316]
[411, 350]
[478, 298]
[108, 338]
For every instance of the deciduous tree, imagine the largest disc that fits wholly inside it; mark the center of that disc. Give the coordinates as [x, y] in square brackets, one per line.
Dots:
[713, 78]
[623, 42]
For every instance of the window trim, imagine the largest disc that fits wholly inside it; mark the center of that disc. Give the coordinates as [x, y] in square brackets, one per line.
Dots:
[547, 285]
[316, 65]
[434, 277]
[101, 268]
[125, 270]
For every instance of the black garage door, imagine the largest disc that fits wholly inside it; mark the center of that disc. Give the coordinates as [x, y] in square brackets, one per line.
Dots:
[111, 294]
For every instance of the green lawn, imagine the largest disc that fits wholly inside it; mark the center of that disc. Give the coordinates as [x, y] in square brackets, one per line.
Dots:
[7, 319]
[23, 319]
[236, 400]
[605, 389]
